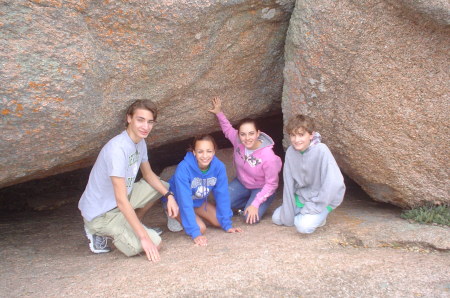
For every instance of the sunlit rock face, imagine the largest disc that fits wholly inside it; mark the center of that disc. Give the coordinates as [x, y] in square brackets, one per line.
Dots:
[375, 75]
[70, 68]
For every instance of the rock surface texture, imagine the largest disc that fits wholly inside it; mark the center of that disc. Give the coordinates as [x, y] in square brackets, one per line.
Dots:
[375, 75]
[69, 69]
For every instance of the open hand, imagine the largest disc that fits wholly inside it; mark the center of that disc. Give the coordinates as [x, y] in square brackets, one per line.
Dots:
[234, 230]
[201, 240]
[252, 214]
[217, 105]
[151, 250]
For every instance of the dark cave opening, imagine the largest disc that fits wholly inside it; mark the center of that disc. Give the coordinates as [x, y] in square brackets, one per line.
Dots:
[54, 191]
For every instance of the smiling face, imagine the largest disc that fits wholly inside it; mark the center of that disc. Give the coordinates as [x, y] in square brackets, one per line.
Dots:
[300, 139]
[249, 135]
[204, 153]
[140, 124]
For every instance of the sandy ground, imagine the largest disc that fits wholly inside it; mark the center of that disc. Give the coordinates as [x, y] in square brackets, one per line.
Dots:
[365, 250]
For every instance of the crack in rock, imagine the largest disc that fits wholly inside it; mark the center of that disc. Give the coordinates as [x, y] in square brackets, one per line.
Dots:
[414, 246]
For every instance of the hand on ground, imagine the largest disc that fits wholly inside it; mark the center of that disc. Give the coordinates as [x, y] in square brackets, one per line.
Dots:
[201, 240]
[234, 230]
[150, 249]
[252, 214]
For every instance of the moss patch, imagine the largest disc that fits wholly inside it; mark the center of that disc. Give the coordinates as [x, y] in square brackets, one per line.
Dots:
[429, 214]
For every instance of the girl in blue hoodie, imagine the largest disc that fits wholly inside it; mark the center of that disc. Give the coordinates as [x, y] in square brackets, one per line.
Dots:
[196, 176]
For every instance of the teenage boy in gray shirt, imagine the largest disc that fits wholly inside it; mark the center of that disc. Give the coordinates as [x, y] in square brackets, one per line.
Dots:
[112, 204]
[313, 183]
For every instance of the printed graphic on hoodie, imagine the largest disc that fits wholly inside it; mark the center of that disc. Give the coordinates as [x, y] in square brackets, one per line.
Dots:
[201, 187]
[250, 159]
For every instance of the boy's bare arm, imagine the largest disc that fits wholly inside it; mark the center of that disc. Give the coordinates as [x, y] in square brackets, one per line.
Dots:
[127, 210]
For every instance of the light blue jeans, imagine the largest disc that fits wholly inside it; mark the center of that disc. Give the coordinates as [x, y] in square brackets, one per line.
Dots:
[241, 197]
[304, 223]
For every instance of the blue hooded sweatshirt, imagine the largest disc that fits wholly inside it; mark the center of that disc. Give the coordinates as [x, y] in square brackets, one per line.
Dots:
[191, 188]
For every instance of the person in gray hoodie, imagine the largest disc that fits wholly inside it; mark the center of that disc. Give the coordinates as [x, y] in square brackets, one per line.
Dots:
[313, 183]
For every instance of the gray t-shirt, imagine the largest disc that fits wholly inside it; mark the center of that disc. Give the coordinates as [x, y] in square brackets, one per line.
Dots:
[120, 157]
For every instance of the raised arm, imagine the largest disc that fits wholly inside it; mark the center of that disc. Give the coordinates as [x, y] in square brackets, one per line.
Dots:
[217, 106]
[228, 130]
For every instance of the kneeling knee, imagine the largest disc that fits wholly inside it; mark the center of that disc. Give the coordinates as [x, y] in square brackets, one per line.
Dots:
[302, 226]
[305, 229]
[276, 217]
[277, 221]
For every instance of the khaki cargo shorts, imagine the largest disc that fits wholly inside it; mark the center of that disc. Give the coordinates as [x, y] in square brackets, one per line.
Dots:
[113, 223]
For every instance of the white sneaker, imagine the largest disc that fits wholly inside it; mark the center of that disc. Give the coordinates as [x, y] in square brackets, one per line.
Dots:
[173, 225]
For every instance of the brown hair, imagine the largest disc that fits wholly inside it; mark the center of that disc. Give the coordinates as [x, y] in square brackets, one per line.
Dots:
[247, 120]
[300, 121]
[204, 137]
[144, 104]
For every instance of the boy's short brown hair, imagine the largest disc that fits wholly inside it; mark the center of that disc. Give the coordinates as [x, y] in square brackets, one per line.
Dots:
[300, 121]
[144, 104]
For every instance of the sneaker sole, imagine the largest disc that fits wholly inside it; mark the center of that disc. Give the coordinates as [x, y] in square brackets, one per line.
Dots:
[91, 244]
[158, 230]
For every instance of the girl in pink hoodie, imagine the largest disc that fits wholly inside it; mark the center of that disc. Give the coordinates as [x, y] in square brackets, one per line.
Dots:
[257, 166]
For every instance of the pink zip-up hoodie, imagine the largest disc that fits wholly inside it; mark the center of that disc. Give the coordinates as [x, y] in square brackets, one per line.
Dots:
[258, 170]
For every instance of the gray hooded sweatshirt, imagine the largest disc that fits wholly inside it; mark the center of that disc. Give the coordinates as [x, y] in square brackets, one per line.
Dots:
[315, 177]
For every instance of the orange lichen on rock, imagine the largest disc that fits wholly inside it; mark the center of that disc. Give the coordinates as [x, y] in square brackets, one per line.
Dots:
[31, 131]
[77, 66]
[35, 85]
[53, 3]
[197, 49]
